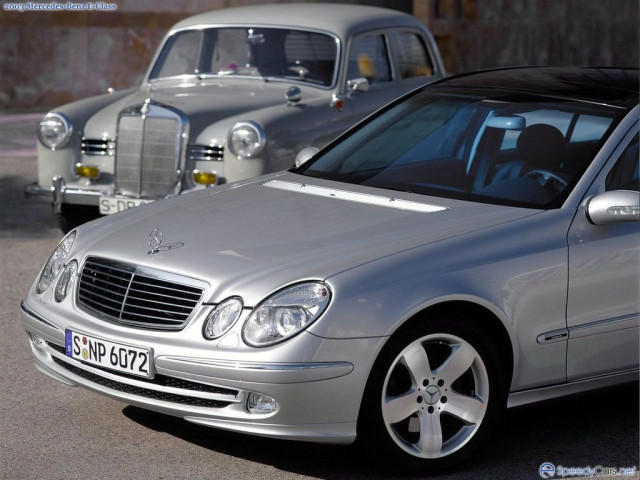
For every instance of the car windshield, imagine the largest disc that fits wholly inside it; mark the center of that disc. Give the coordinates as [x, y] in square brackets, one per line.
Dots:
[274, 53]
[504, 149]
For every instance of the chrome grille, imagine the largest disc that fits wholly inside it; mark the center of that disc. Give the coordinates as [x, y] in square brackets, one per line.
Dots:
[92, 146]
[148, 153]
[202, 152]
[137, 296]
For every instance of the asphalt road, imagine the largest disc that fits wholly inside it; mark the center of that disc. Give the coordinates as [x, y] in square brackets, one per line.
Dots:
[51, 431]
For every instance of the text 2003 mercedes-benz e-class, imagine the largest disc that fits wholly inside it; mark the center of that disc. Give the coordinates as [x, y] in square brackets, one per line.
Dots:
[471, 247]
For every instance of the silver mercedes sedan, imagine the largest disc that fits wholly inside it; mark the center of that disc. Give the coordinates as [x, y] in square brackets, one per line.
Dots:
[471, 247]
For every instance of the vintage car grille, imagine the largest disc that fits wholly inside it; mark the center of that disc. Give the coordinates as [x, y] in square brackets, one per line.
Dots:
[203, 152]
[137, 297]
[148, 153]
[159, 380]
[92, 146]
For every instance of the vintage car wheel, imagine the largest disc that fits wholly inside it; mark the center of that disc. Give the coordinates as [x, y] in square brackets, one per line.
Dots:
[72, 216]
[433, 395]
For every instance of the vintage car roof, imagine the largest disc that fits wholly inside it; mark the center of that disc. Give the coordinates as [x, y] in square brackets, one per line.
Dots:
[608, 85]
[339, 19]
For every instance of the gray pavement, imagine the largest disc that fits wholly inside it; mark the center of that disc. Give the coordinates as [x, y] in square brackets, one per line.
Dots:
[51, 431]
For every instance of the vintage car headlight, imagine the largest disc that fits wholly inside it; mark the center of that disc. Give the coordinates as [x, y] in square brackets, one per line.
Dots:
[246, 139]
[65, 281]
[286, 313]
[54, 130]
[55, 262]
[223, 317]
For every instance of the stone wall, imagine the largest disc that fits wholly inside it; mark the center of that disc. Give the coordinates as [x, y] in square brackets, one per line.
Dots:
[50, 58]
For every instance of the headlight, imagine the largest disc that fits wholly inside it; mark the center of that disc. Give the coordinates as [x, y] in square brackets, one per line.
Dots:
[65, 281]
[223, 317]
[286, 313]
[246, 139]
[55, 263]
[54, 130]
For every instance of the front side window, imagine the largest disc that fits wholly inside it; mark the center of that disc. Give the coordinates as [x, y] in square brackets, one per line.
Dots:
[625, 174]
[411, 56]
[453, 145]
[368, 58]
[274, 53]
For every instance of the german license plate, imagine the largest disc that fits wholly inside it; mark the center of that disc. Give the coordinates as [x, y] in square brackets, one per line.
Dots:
[108, 354]
[110, 205]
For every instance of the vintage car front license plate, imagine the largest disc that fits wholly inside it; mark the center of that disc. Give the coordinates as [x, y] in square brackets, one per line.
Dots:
[108, 354]
[117, 204]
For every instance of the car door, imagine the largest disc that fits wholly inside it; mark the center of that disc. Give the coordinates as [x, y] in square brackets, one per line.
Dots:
[604, 266]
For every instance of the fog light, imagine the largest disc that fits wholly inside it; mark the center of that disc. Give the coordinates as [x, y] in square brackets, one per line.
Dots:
[205, 178]
[261, 403]
[87, 171]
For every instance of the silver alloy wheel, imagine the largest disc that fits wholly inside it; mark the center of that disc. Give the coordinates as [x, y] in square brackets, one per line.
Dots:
[435, 395]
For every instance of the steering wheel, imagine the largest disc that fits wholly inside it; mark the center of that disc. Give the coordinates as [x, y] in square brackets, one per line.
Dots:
[546, 178]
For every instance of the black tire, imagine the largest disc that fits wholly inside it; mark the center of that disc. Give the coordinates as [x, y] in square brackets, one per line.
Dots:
[72, 216]
[434, 395]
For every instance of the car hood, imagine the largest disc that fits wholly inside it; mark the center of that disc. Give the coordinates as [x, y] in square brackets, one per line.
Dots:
[252, 238]
[203, 101]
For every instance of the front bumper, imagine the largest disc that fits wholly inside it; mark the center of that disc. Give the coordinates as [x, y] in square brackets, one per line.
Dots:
[60, 193]
[318, 400]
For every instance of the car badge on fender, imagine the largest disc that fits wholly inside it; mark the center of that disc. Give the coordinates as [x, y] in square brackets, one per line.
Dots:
[155, 242]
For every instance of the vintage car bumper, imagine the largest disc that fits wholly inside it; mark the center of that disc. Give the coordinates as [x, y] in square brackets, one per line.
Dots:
[60, 193]
[318, 400]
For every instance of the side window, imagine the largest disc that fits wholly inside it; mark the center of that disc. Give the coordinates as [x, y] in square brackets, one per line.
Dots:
[624, 174]
[410, 54]
[368, 58]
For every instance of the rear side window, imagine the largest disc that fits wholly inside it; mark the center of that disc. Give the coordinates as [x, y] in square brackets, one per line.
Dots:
[411, 55]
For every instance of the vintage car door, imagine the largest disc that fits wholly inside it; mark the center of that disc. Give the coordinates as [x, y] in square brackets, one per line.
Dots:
[604, 266]
[394, 62]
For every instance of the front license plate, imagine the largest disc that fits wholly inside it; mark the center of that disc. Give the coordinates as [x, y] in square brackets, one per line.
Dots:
[107, 354]
[110, 205]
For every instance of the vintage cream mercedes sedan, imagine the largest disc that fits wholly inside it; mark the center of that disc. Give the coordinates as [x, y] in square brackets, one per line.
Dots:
[231, 94]
[473, 245]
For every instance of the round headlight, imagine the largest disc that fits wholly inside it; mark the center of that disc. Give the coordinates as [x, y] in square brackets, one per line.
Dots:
[54, 130]
[55, 262]
[223, 317]
[246, 139]
[286, 314]
[65, 281]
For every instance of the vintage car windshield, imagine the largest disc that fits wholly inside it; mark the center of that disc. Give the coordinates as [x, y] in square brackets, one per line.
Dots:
[276, 53]
[504, 149]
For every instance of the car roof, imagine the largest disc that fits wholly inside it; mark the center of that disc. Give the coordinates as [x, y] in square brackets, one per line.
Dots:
[341, 19]
[607, 85]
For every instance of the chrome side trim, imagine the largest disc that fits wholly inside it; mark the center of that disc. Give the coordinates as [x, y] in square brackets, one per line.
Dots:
[35, 316]
[517, 399]
[602, 326]
[379, 200]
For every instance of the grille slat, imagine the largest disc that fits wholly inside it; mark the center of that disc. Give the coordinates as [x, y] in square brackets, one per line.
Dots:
[138, 297]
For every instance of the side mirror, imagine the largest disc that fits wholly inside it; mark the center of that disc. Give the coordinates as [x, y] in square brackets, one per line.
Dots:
[305, 155]
[614, 207]
[358, 85]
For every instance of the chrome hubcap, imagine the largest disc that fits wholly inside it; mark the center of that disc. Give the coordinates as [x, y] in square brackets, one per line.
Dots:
[435, 396]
